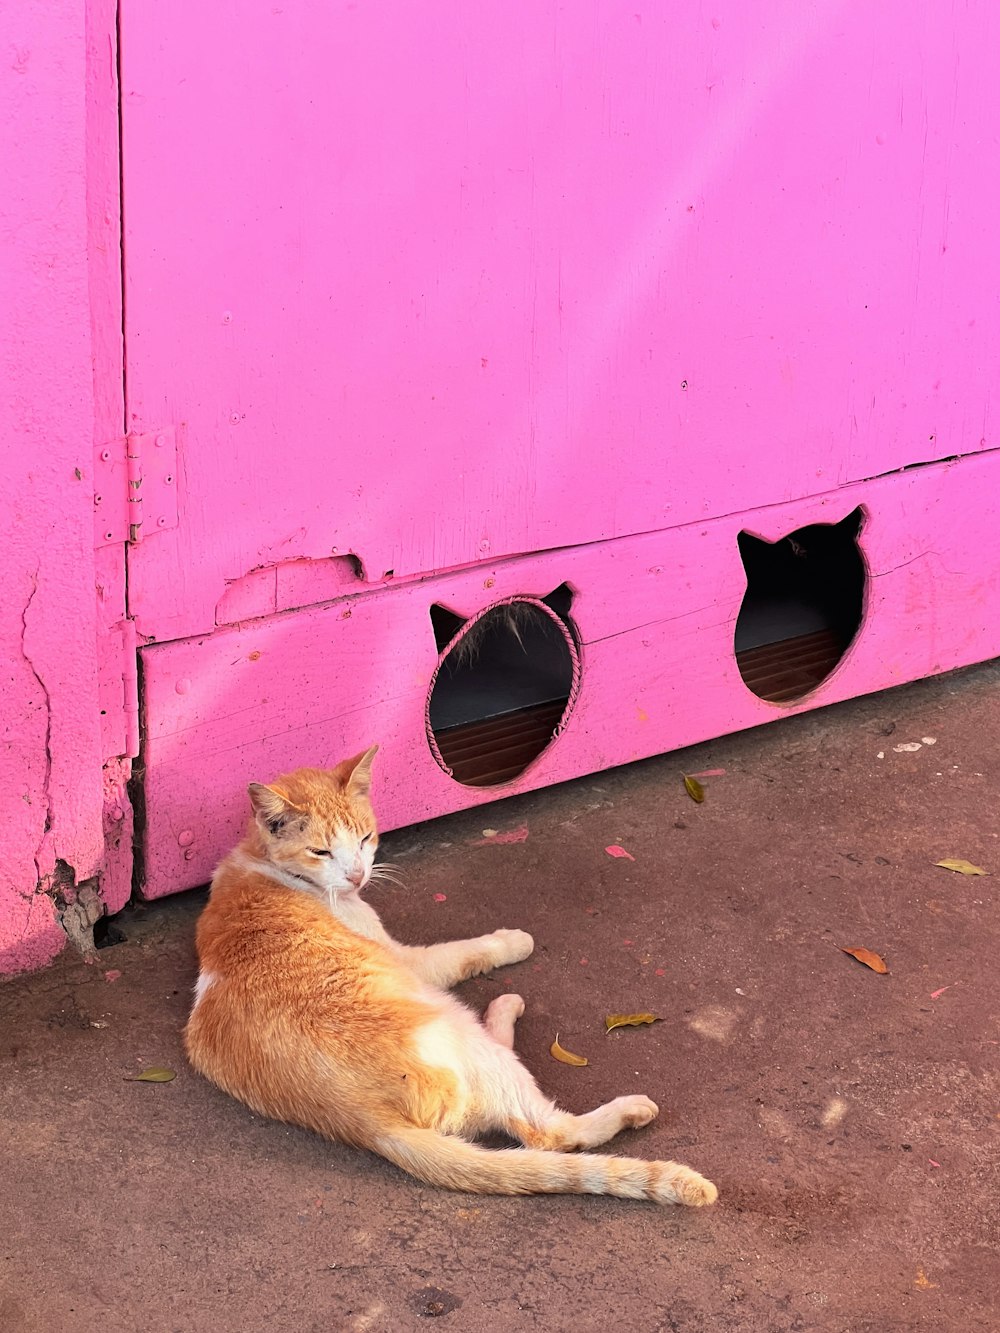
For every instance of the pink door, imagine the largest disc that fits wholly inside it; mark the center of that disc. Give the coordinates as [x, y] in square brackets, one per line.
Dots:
[423, 288]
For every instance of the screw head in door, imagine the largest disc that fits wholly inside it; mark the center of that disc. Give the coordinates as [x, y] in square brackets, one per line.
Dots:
[161, 522]
[106, 455]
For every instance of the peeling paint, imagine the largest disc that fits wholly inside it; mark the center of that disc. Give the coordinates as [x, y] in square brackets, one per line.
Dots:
[78, 918]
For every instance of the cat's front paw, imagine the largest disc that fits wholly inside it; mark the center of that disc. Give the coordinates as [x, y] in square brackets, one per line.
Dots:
[510, 946]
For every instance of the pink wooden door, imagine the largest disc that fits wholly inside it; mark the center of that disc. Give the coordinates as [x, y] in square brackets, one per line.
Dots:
[414, 287]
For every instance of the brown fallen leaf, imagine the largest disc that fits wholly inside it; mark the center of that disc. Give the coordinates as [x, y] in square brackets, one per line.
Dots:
[694, 789]
[628, 1021]
[960, 867]
[872, 960]
[155, 1074]
[566, 1057]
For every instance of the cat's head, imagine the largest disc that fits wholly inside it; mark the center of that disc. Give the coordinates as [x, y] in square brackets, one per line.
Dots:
[319, 824]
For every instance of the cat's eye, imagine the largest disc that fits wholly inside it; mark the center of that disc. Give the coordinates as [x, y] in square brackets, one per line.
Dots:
[366, 838]
[320, 851]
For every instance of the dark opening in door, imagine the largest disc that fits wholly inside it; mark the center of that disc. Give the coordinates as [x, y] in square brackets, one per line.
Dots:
[503, 687]
[802, 609]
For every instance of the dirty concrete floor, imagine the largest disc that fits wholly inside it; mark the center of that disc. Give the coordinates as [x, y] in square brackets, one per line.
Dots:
[851, 1120]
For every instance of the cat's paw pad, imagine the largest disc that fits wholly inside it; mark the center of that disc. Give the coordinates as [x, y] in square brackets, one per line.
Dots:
[637, 1111]
[511, 946]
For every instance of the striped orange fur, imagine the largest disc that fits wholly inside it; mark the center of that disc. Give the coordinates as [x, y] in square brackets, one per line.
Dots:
[306, 1010]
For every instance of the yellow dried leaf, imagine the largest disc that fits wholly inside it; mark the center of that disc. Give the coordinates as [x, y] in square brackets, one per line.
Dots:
[694, 789]
[961, 867]
[628, 1021]
[566, 1057]
[872, 960]
[154, 1075]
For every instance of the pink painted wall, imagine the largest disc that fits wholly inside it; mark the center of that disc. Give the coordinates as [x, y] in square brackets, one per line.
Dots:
[654, 613]
[51, 284]
[435, 288]
[489, 305]
[434, 285]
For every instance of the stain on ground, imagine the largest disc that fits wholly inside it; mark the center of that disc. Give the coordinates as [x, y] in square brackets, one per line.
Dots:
[850, 1120]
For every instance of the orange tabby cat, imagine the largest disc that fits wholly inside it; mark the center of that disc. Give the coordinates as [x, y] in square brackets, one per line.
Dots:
[307, 1011]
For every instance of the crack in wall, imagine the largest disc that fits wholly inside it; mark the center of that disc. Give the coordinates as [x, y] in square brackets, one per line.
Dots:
[47, 782]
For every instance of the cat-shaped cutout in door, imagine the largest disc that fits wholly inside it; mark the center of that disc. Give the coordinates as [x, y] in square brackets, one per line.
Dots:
[506, 681]
[802, 609]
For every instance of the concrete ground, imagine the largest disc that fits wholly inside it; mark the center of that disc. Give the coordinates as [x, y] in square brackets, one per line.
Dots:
[850, 1120]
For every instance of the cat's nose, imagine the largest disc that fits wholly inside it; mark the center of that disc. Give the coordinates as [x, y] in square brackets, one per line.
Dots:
[356, 876]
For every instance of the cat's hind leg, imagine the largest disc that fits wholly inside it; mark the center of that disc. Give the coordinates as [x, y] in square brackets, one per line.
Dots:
[500, 1016]
[492, 1090]
[560, 1131]
[508, 1098]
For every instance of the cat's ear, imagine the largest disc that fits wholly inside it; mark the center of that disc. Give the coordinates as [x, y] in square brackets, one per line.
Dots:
[446, 624]
[853, 523]
[746, 541]
[271, 809]
[356, 773]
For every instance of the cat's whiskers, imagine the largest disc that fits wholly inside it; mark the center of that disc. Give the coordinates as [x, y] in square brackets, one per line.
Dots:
[387, 873]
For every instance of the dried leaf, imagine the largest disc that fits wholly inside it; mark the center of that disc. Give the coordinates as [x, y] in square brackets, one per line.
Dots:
[628, 1021]
[155, 1074]
[491, 836]
[960, 866]
[694, 789]
[941, 990]
[615, 850]
[566, 1057]
[872, 960]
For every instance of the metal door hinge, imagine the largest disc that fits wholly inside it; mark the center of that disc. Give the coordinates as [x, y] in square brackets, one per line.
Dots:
[135, 487]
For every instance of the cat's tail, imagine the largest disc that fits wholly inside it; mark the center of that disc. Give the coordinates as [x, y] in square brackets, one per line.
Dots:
[454, 1163]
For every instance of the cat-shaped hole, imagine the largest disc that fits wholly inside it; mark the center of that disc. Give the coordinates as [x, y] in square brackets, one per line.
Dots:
[505, 683]
[802, 609]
